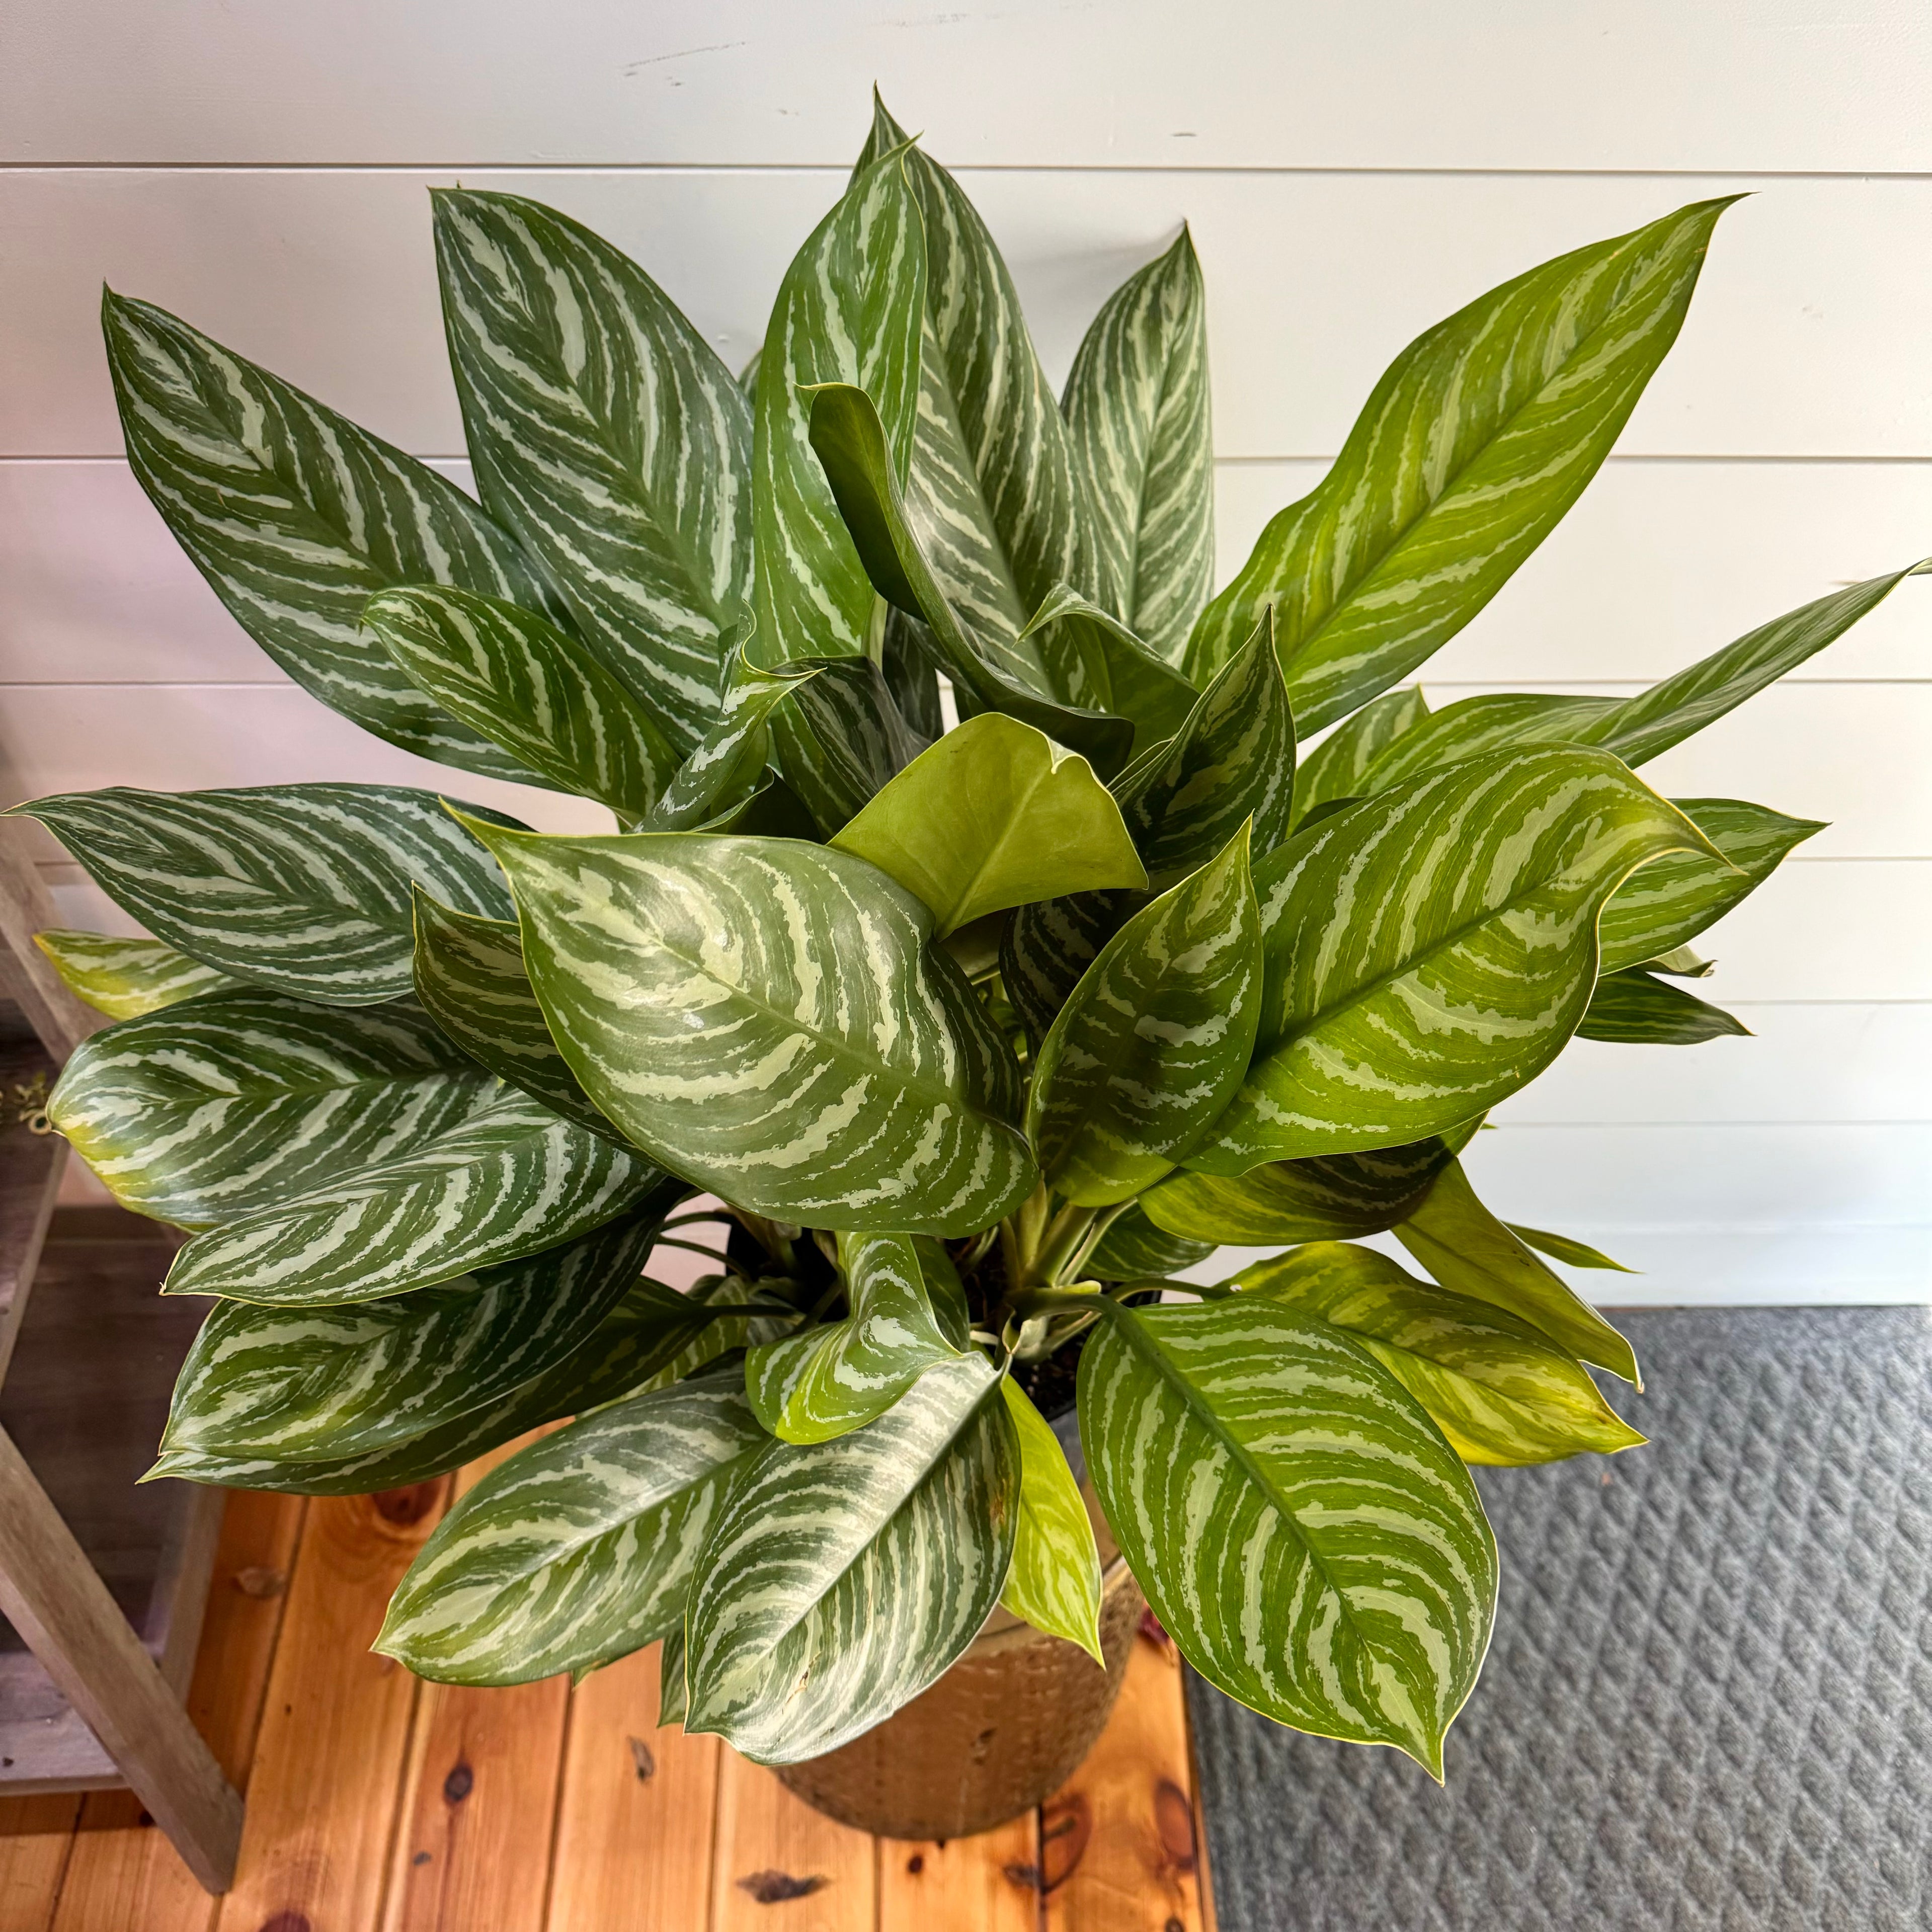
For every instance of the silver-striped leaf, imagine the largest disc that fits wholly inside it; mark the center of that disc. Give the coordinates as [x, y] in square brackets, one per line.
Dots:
[518, 680]
[579, 1548]
[1493, 721]
[1153, 1041]
[1338, 767]
[827, 1381]
[995, 814]
[766, 1018]
[203, 1113]
[1048, 946]
[296, 518]
[123, 977]
[510, 1179]
[1500, 1390]
[1094, 661]
[1054, 1583]
[1430, 951]
[1304, 1532]
[304, 889]
[839, 738]
[1133, 1249]
[1139, 420]
[844, 1577]
[316, 1384]
[1637, 1009]
[605, 431]
[1479, 437]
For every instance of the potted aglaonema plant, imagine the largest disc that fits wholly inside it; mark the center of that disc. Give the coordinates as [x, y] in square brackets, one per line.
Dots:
[981, 1032]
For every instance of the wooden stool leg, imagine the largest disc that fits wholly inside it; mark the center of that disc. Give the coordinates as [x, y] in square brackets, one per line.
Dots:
[52, 1596]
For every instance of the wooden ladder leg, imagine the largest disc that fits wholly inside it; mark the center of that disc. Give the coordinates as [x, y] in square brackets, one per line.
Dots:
[53, 1597]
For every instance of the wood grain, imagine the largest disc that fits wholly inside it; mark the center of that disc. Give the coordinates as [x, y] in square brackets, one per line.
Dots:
[989, 1883]
[773, 1849]
[36, 1838]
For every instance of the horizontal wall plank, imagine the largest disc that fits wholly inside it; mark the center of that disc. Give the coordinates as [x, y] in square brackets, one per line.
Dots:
[1827, 929]
[1804, 339]
[1611, 83]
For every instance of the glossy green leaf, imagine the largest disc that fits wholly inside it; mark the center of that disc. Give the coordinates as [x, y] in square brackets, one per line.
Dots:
[1682, 963]
[1054, 1583]
[1301, 1529]
[850, 310]
[1095, 660]
[1474, 443]
[1638, 1009]
[844, 1577]
[1567, 1248]
[1133, 1249]
[840, 738]
[1047, 946]
[580, 1548]
[1469, 1251]
[203, 1113]
[470, 979]
[304, 889]
[1498, 1389]
[993, 815]
[607, 434]
[673, 1699]
[906, 656]
[517, 679]
[765, 1018]
[1153, 1041]
[1430, 952]
[124, 977]
[296, 518]
[292, 1384]
[829, 1380]
[1138, 413]
[1338, 768]
[1492, 721]
[510, 1179]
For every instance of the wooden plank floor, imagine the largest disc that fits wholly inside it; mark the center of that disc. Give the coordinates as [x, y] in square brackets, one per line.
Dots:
[379, 1803]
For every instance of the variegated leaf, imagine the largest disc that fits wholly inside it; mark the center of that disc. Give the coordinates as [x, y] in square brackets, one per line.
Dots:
[839, 738]
[995, 814]
[851, 309]
[1430, 951]
[124, 978]
[607, 434]
[907, 656]
[1477, 439]
[713, 1336]
[1637, 1008]
[766, 1018]
[1301, 1529]
[1047, 946]
[844, 1577]
[1469, 1250]
[1133, 1249]
[1338, 767]
[1054, 1583]
[296, 518]
[1498, 1389]
[827, 1381]
[510, 1179]
[1153, 1041]
[1493, 721]
[580, 1548]
[304, 889]
[525, 685]
[309, 1384]
[672, 1689]
[1138, 417]
[1094, 661]
[204, 1113]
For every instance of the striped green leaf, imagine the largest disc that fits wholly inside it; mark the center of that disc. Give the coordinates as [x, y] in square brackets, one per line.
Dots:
[1638, 1009]
[1469, 1251]
[995, 814]
[839, 738]
[205, 1113]
[579, 1548]
[509, 674]
[827, 1381]
[1673, 900]
[296, 518]
[992, 666]
[765, 1018]
[850, 310]
[1094, 661]
[1477, 439]
[1333, 1198]
[1133, 1249]
[296, 1384]
[1493, 721]
[510, 1179]
[470, 979]
[843, 1577]
[1154, 1040]
[1498, 1388]
[1338, 768]
[1047, 946]
[1430, 951]
[1300, 1527]
[710, 1338]
[607, 434]
[124, 978]
[304, 889]
[906, 655]
[1567, 1248]
[1054, 1583]
[1138, 417]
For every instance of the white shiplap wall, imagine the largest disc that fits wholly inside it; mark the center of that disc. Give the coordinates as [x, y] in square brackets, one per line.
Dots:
[1352, 174]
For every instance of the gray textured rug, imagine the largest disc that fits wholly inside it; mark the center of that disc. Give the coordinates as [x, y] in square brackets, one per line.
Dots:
[1708, 1701]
